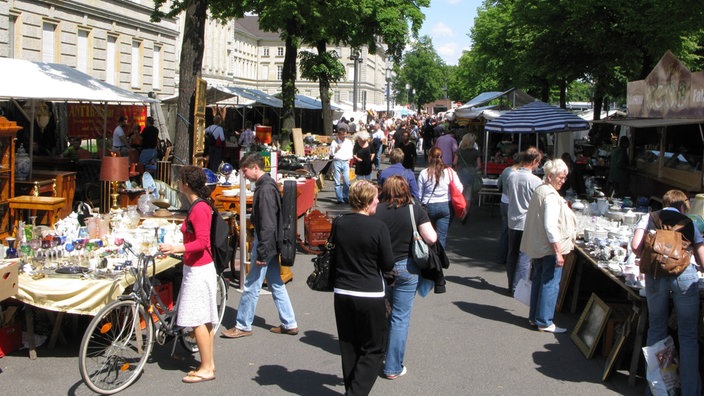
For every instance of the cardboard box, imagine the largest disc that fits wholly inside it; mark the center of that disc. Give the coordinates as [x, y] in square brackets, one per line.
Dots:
[10, 338]
[9, 271]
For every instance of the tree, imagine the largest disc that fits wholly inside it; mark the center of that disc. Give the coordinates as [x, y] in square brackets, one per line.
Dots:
[190, 66]
[424, 71]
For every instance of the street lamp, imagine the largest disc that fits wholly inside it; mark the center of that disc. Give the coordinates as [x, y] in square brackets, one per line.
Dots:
[388, 88]
[356, 57]
[408, 96]
[414, 98]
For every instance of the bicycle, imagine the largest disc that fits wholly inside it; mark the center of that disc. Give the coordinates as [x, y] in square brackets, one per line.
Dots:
[120, 338]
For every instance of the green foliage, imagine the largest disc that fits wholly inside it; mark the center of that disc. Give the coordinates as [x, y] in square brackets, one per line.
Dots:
[326, 65]
[538, 44]
[423, 70]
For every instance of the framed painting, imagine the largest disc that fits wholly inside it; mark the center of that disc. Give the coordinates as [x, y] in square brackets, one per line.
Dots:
[590, 326]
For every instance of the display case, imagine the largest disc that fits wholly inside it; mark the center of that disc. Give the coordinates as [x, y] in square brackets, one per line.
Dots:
[8, 132]
[670, 155]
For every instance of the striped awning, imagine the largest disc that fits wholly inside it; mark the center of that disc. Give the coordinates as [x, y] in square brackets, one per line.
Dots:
[537, 117]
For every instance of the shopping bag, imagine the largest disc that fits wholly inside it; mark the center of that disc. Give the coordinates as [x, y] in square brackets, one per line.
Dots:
[456, 197]
[662, 367]
[522, 292]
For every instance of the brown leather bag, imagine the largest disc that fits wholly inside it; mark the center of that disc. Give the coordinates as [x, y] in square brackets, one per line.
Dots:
[665, 252]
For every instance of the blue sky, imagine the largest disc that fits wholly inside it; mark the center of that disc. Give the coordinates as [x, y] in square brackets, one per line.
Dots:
[448, 23]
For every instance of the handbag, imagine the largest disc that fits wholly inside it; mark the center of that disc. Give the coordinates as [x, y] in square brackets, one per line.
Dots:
[323, 276]
[419, 249]
[459, 204]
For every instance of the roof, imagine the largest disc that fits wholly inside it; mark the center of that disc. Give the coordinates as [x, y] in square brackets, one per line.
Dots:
[55, 82]
[250, 23]
[651, 122]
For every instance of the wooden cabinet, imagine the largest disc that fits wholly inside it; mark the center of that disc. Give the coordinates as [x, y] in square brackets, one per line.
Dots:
[8, 131]
[64, 186]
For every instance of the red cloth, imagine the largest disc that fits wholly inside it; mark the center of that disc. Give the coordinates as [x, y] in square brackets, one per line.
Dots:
[196, 235]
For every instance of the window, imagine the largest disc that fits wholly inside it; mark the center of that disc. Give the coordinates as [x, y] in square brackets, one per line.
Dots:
[156, 68]
[136, 64]
[82, 49]
[48, 42]
[11, 36]
[350, 96]
[280, 51]
[265, 72]
[266, 52]
[336, 95]
[350, 73]
[279, 72]
[110, 60]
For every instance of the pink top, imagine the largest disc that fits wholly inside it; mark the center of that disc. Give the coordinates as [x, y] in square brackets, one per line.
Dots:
[196, 235]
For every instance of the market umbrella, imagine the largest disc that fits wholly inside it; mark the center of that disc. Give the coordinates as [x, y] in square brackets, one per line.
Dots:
[537, 117]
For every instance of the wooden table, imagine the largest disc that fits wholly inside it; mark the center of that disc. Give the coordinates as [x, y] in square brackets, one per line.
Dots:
[638, 304]
[51, 206]
[64, 186]
[36, 187]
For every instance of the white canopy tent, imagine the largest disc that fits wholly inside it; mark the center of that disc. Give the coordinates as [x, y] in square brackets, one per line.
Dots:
[38, 81]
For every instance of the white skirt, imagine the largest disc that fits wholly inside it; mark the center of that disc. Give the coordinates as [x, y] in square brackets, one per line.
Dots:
[197, 303]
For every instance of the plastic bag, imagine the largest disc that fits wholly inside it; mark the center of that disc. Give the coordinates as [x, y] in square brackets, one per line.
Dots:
[522, 292]
[663, 365]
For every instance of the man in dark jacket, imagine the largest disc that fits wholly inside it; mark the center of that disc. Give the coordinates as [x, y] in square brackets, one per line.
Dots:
[267, 219]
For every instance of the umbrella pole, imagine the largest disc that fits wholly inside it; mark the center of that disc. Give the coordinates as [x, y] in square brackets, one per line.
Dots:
[486, 150]
[31, 138]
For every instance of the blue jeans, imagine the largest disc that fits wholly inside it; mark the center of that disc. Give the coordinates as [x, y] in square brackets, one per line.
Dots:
[440, 216]
[377, 158]
[341, 175]
[252, 286]
[401, 299]
[503, 238]
[517, 262]
[543, 293]
[148, 157]
[684, 290]
[364, 177]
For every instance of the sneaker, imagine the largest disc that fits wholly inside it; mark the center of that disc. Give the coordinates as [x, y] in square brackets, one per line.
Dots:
[282, 330]
[552, 329]
[394, 376]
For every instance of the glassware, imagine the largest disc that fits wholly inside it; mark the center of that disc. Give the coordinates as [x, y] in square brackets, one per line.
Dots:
[11, 252]
[133, 216]
[25, 249]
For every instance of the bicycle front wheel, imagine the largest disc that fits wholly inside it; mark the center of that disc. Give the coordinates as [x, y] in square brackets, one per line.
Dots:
[116, 346]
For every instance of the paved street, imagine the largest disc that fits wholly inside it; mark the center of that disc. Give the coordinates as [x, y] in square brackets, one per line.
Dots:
[472, 340]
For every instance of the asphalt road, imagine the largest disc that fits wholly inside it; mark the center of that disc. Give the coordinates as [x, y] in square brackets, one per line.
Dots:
[472, 340]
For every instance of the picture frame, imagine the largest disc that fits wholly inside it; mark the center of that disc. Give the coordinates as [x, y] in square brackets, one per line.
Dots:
[618, 346]
[590, 326]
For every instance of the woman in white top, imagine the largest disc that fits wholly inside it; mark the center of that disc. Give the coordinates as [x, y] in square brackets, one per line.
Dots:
[434, 185]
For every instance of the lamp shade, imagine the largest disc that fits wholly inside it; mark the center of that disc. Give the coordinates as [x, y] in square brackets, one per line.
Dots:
[115, 169]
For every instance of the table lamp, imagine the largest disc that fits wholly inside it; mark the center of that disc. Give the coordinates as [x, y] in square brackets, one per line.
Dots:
[114, 169]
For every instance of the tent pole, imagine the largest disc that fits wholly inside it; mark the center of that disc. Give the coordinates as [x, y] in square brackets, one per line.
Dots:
[31, 139]
[105, 128]
[486, 150]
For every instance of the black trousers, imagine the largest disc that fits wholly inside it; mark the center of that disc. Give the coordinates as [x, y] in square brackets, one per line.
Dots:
[362, 329]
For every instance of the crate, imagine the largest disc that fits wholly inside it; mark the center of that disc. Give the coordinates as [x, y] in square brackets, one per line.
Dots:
[317, 228]
[10, 338]
[9, 271]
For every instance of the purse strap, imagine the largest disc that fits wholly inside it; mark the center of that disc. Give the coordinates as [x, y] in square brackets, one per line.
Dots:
[413, 220]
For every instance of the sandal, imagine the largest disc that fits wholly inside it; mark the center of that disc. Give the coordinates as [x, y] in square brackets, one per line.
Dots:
[196, 378]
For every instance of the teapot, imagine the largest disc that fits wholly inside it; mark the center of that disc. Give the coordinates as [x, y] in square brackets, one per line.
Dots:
[602, 206]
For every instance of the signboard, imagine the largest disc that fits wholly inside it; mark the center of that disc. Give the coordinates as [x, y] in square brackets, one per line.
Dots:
[86, 120]
[669, 91]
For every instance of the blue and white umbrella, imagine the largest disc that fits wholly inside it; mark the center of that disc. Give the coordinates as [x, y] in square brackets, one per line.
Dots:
[537, 117]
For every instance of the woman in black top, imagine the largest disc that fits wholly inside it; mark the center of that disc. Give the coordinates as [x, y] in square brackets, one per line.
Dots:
[394, 211]
[362, 253]
[363, 155]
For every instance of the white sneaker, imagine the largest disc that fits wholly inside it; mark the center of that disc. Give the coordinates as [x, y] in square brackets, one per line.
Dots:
[552, 329]
[394, 376]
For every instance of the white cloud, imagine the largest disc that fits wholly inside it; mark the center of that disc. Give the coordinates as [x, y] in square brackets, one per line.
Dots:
[442, 30]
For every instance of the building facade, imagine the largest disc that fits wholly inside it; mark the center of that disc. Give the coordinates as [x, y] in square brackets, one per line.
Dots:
[112, 40]
[238, 53]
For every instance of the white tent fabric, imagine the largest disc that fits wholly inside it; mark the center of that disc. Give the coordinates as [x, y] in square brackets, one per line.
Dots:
[514, 98]
[55, 82]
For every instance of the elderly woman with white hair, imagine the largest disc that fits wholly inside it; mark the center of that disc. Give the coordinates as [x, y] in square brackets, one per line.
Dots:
[363, 155]
[548, 236]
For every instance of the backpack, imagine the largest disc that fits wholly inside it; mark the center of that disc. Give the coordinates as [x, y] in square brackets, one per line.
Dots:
[219, 238]
[666, 251]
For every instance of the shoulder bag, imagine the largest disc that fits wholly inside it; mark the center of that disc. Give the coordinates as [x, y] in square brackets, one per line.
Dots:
[419, 249]
[323, 276]
[456, 197]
